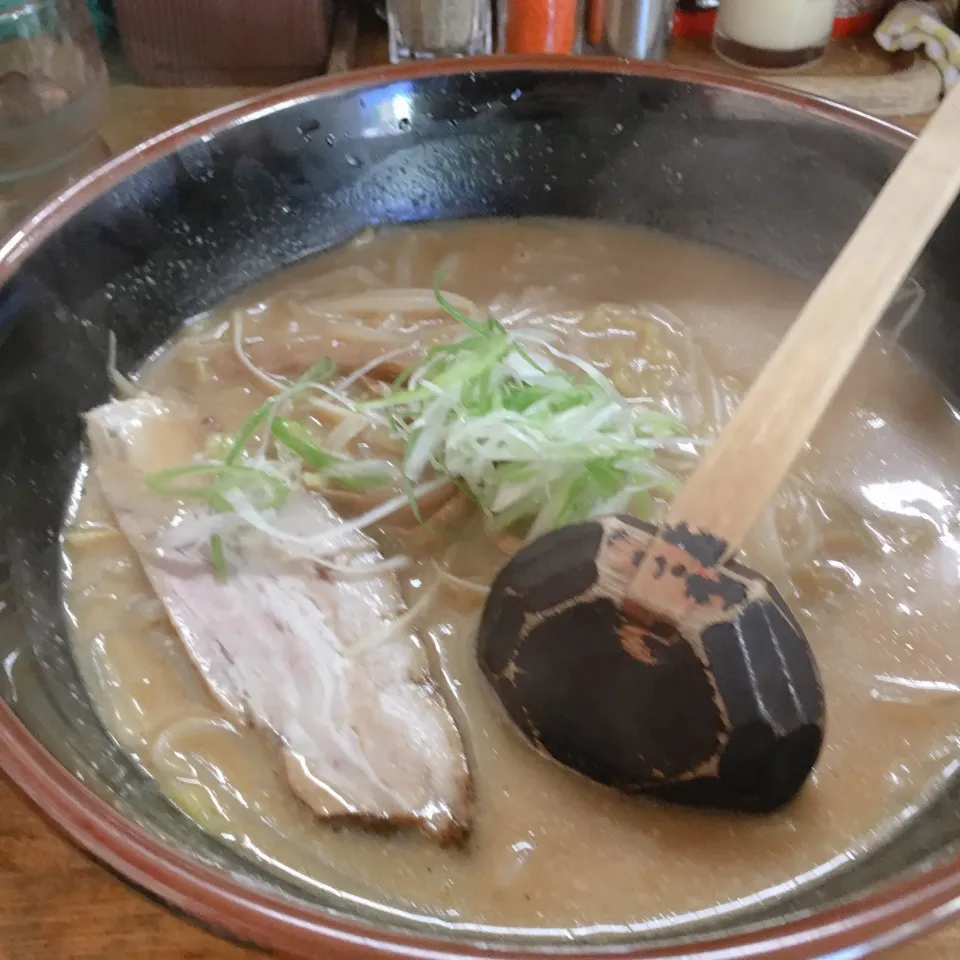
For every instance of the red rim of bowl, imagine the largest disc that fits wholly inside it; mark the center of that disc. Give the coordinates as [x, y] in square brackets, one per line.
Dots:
[899, 912]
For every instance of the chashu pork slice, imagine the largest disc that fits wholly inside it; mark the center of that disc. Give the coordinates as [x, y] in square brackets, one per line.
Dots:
[284, 644]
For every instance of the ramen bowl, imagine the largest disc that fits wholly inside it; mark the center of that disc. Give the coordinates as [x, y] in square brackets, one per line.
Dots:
[175, 226]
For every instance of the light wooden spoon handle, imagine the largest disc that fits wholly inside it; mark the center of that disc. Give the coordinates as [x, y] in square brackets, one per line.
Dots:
[753, 454]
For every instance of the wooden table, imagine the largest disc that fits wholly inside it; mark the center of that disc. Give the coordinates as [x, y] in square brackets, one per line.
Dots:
[55, 904]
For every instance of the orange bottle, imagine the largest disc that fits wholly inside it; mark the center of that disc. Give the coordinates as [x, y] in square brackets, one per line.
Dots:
[540, 26]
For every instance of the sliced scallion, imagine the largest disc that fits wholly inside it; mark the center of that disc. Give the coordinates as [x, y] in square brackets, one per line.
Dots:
[218, 557]
[209, 482]
[297, 439]
[320, 372]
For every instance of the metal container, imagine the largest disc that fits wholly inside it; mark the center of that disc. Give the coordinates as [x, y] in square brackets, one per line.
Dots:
[638, 29]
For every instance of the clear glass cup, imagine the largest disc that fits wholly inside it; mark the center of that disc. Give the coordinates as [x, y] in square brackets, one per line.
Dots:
[53, 98]
[773, 34]
[429, 29]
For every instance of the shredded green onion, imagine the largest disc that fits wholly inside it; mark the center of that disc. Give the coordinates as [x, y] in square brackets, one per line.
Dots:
[350, 475]
[217, 446]
[218, 557]
[215, 479]
[298, 440]
[447, 306]
[320, 372]
[247, 429]
[535, 436]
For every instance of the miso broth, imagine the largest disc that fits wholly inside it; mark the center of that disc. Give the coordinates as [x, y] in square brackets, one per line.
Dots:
[864, 542]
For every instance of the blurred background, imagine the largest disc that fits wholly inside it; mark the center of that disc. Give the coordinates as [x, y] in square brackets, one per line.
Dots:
[82, 80]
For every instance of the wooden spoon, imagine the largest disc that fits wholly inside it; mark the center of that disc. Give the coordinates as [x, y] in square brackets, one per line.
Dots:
[647, 659]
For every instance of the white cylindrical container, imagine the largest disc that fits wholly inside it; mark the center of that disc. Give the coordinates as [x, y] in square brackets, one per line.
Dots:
[773, 34]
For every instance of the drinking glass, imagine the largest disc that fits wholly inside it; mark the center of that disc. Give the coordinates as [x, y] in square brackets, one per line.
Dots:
[773, 34]
[427, 29]
[53, 96]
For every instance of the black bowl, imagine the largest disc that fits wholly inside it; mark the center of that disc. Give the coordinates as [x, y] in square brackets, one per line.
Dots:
[173, 227]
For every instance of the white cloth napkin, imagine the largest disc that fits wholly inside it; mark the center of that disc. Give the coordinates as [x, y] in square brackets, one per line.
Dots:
[913, 24]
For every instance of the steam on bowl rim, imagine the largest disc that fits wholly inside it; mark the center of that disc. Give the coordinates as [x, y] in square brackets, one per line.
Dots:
[898, 912]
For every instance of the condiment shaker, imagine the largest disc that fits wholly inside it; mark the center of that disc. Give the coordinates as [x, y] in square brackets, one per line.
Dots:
[636, 29]
[427, 29]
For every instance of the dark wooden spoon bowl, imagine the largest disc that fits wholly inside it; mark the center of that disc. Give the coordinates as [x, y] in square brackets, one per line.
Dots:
[717, 702]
